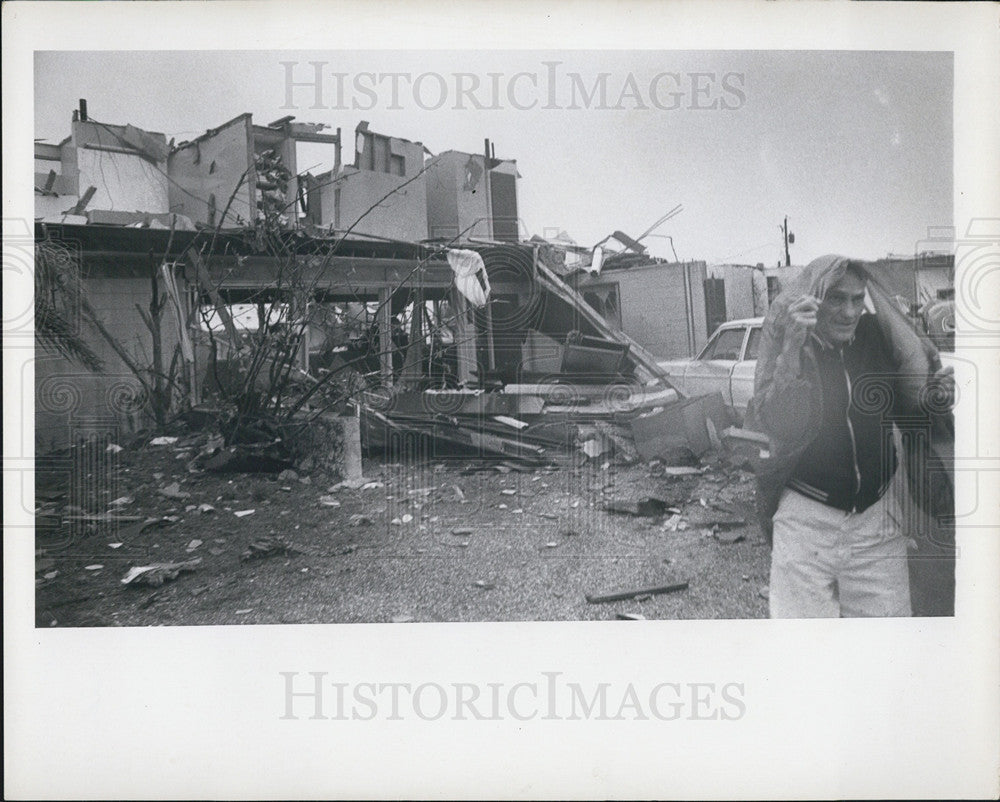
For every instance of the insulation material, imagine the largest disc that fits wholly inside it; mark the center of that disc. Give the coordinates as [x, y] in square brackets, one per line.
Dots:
[170, 284]
[470, 276]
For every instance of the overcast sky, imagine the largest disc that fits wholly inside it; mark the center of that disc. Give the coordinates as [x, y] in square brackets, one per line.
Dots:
[855, 147]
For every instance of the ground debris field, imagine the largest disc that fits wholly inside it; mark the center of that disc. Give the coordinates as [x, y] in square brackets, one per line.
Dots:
[450, 539]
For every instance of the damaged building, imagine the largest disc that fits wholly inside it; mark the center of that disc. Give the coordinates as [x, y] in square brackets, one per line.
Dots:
[381, 195]
[102, 173]
[409, 272]
[241, 173]
[472, 196]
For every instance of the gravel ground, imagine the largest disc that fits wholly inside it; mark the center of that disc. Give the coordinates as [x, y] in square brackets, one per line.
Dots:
[437, 542]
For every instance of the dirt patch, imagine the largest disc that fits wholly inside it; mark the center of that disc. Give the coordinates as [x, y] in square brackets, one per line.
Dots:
[451, 540]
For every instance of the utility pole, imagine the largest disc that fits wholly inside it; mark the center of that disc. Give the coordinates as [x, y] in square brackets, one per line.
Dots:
[789, 239]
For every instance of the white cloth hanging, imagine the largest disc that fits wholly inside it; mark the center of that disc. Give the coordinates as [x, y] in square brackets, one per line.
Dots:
[470, 275]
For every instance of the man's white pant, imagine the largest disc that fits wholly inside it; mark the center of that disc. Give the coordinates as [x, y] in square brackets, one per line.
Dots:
[827, 563]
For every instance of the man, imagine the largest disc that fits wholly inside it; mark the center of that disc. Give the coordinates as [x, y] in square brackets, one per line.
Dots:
[830, 380]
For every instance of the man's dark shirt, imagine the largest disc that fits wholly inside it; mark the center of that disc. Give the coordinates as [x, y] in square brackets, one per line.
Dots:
[852, 459]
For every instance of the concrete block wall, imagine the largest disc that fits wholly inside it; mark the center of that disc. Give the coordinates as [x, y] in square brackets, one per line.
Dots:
[70, 401]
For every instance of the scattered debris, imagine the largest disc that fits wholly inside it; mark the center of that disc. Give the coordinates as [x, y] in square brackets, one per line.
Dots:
[595, 447]
[739, 437]
[114, 448]
[328, 501]
[712, 518]
[163, 441]
[674, 522]
[288, 475]
[103, 518]
[194, 544]
[680, 470]
[166, 520]
[115, 545]
[764, 592]
[357, 519]
[463, 530]
[479, 583]
[597, 598]
[239, 459]
[631, 617]
[173, 490]
[121, 501]
[94, 567]
[361, 483]
[158, 573]
[401, 619]
[647, 508]
[205, 509]
[512, 422]
[243, 513]
[269, 547]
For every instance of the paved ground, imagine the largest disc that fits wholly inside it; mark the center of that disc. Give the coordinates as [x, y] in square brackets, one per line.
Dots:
[434, 542]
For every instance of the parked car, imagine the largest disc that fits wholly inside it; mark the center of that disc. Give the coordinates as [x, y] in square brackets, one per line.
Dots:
[725, 365]
[728, 361]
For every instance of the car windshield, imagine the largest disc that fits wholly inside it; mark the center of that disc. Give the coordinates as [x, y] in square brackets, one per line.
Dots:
[754, 345]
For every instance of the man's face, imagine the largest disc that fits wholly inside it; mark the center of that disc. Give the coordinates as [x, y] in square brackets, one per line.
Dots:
[841, 309]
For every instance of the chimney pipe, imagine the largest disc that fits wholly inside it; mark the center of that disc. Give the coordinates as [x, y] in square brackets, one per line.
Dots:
[83, 110]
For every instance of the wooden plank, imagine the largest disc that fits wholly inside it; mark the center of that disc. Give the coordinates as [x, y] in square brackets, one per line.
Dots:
[84, 200]
[598, 598]
[414, 358]
[385, 333]
[465, 335]
[204, 280]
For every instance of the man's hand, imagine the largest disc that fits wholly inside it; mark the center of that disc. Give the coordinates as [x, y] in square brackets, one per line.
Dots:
[942, 387]
[800, 319]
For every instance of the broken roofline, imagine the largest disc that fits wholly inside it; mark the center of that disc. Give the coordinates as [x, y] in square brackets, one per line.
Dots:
[301, 132]
[362, 128]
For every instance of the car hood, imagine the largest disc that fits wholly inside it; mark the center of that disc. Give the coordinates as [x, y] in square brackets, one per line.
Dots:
[672, 366]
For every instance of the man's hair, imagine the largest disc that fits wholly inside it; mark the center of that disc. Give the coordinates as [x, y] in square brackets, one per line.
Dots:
[857, 269]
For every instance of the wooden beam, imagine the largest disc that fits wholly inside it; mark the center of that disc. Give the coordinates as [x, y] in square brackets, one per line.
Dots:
[321, 139]
[346, 273]
[415, 349]
[204, 280]
[84, 200]
[465, 337]
[597, 598]
[385, 333]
